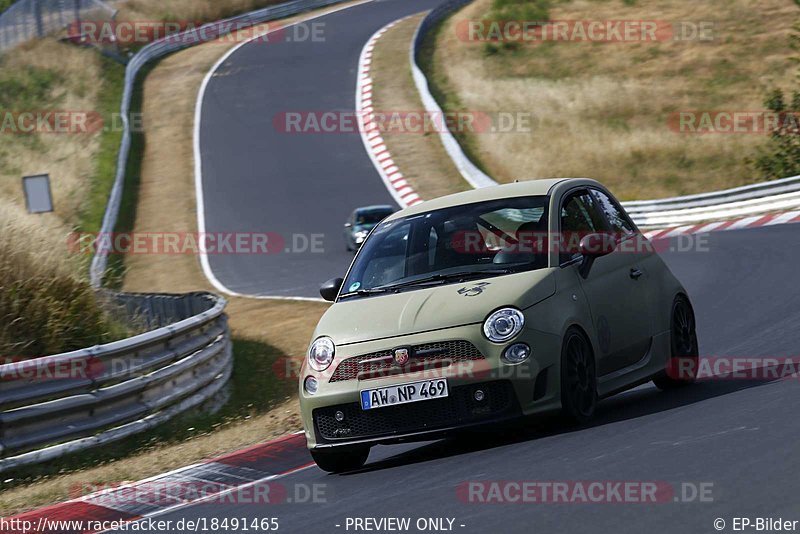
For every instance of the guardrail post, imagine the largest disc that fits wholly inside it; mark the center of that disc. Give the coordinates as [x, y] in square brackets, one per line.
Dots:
[37, 14]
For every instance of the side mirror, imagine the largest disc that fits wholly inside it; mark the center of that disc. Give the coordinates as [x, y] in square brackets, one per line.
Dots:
[594, 246]
[331, 288]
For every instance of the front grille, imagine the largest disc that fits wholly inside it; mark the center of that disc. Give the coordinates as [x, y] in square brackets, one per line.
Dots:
[458, 409]
[422, 357]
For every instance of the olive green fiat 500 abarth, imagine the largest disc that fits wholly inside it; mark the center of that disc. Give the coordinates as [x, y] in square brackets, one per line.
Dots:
[489, 305]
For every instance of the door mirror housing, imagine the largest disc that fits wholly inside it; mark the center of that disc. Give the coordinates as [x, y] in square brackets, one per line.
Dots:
[331, 288]
[595, 246]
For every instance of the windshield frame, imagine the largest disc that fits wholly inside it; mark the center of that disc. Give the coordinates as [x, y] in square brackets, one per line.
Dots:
[508, 270]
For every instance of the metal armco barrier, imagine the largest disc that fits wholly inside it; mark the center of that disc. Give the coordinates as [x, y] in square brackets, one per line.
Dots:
[158, 49]
[471, 173]
[750, 200]
[60, 404]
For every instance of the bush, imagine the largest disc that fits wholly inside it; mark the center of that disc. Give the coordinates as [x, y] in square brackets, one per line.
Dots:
[782, 158]
[45, 308]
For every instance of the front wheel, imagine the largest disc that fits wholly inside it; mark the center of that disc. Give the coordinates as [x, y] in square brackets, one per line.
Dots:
[578, 378]
[681, 369]
[340, 460]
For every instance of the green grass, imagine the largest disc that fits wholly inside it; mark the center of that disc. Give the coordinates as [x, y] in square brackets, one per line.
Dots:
[520, 10]
[126, 219]
[27, 88]
[112, 83]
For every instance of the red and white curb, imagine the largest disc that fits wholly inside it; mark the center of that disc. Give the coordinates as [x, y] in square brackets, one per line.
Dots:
[230, 479]
[398, 186]
[755, 221]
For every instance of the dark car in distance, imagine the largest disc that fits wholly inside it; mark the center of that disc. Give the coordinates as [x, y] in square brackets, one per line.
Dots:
[361, 222]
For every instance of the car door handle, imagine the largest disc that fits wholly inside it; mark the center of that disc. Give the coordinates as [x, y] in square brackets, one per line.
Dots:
[636, 274]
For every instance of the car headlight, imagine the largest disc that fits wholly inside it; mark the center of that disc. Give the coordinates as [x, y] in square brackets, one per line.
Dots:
[320, 354]
[503, 325]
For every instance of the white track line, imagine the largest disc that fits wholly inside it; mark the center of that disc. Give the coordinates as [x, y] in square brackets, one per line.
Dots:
[374, 143]
[198, 160]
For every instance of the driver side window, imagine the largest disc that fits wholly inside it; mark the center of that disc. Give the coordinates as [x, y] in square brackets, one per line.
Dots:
[580, 216]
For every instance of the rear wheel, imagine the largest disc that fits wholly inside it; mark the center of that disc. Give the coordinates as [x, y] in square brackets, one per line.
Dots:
[340, 460]
[681, 368]
[578, 378]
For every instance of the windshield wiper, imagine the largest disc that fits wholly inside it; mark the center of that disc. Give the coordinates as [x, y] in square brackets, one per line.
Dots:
[442, 278]
[434, 278]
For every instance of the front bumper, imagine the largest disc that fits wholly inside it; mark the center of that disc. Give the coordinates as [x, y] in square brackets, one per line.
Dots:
[510, 391]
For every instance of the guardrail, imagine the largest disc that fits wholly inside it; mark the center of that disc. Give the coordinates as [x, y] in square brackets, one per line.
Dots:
[155, 50]
[60, 404]
[748, 200]
[471, 173]
[743, 201]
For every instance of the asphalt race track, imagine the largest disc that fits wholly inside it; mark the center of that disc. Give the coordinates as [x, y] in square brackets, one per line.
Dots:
[740, 436]
[258, 178]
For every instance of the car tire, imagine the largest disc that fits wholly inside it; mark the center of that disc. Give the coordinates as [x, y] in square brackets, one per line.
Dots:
[681, 368]
[578, 378]
[340, 460]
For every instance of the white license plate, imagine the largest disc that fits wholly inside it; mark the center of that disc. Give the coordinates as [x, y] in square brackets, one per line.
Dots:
[404, 393]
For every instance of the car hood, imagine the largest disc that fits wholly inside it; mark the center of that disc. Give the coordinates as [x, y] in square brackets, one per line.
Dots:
[421, 310]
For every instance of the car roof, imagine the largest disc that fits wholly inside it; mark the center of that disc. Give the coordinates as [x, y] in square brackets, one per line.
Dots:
[517, 189]
[381, 207]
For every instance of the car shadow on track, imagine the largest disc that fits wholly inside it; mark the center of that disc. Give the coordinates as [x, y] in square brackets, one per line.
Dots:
[635, 403]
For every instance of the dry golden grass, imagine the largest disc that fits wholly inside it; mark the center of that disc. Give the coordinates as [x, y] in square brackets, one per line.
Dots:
[45, 307]
[421, 157]
[189, 10]
[68, 158]
[601, 109]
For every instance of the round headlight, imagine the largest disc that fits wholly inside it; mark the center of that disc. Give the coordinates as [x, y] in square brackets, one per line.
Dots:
[320, 354]
[503, 324]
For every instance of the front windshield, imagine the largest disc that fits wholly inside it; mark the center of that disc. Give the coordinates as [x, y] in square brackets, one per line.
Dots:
[485, 238]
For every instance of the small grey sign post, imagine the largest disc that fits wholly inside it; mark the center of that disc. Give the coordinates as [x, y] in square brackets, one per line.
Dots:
[38, 197]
